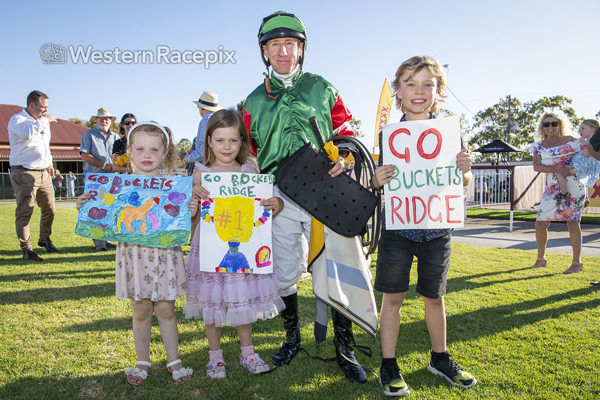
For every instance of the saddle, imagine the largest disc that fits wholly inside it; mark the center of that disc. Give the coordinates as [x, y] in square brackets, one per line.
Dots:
[340, 203]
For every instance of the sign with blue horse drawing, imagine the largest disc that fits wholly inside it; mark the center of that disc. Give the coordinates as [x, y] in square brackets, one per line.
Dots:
[235, 231]
[139, 209]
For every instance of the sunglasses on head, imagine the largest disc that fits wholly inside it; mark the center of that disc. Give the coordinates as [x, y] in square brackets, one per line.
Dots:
[129, 123]
[554, 124]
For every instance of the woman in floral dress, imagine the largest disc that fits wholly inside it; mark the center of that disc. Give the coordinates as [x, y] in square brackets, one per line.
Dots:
[553, 155]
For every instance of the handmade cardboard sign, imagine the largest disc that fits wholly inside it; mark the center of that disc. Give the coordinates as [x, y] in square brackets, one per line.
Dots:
[594, 194]
[426, 191]
[235, 232]
[140, 209]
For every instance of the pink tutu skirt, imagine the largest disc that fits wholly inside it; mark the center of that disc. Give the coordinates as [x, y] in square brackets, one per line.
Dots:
[222, 298]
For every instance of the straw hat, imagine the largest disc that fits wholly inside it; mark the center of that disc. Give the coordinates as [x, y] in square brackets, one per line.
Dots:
[209, 101]
[103, 112]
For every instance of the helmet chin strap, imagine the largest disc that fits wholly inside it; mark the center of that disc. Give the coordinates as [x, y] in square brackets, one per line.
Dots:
[287, 79]
[268, 85]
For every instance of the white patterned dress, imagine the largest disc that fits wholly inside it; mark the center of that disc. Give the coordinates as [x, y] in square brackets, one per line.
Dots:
[154, 273]
[569, 207]
[222, 298]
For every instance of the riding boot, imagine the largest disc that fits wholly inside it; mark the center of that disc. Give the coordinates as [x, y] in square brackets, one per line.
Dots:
[343, 340]
[292, 331]
[321, 318]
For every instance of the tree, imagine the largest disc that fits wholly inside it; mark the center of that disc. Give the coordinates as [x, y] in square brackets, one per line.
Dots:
[355, 125]
[466, 129]
[492, 123]
[537, 108]
[91, 123]
[239, 107]
[79, 122]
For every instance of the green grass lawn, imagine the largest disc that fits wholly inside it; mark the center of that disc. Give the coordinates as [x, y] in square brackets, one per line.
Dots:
[524, 334]
[521, 215]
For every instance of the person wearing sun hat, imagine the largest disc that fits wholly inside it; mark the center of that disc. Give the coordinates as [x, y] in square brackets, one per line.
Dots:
[207, 104]
[276, 115]
[96, 151]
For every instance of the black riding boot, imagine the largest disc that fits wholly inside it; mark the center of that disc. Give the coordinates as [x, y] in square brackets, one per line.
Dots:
[343, 340]
[292, 332]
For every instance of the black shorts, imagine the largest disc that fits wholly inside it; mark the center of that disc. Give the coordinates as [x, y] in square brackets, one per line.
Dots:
[394, 261]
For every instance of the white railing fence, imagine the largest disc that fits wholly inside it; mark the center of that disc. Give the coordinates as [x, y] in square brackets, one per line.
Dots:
[508, 187]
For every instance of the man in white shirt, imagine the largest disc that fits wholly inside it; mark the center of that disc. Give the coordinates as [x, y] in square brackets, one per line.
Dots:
[31, 171]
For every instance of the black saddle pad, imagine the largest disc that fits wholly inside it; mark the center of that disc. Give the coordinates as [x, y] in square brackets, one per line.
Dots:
[340, 203]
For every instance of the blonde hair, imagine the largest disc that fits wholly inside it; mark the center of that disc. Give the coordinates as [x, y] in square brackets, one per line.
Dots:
[171, 160]
[415, 65]
[592, 123]
[564, 122]
[226, 119]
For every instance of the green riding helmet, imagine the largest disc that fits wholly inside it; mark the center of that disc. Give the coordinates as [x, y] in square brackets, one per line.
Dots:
[280, 24]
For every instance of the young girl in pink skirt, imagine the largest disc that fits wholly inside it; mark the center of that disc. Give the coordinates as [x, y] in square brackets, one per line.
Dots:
[222, 298]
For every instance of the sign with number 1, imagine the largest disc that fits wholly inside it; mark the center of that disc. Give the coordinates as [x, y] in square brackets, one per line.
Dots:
[235, 232]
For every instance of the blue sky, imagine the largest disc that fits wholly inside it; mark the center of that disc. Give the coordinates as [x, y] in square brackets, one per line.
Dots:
[527, 49]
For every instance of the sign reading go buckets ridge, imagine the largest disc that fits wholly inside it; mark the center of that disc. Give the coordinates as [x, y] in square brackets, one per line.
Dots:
[426, 191]
[235, 232]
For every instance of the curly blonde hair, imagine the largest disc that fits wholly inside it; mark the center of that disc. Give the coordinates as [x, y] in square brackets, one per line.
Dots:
[564, 122]
[415, 65]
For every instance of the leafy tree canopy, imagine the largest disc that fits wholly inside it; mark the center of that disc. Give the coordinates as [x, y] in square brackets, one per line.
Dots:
[493, 123]
[91, 123]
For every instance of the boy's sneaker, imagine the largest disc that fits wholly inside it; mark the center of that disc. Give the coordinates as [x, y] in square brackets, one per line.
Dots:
[254, 364]
[216, 369]
[392, 382]
[447, 368]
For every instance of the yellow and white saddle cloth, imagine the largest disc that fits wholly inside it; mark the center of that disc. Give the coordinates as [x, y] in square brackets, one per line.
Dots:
[341, 276]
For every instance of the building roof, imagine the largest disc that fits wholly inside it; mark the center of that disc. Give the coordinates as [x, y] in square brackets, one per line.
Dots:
[64, 142]
[64, 133]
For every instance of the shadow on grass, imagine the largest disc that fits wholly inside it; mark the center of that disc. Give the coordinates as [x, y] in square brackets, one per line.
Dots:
[304, 378]
[284, 383]
[97, 273]
[467, 282]
[66, 255]
[48, 295]
[468, 326]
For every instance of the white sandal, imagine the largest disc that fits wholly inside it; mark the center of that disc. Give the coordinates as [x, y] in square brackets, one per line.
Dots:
[138, 372]
[181, 372]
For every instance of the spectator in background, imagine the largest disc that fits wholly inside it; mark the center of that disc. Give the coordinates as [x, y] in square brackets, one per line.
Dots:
[71, 185]
[119, 153]
[96, 151]
[553, 154]
[207, 104]
[31, 171]
[593, 147]
[57, 181]
[190, 166]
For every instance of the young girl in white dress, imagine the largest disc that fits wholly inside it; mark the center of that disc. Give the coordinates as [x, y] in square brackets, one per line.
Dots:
[222, 298]
[152, 277]
[586, 168]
